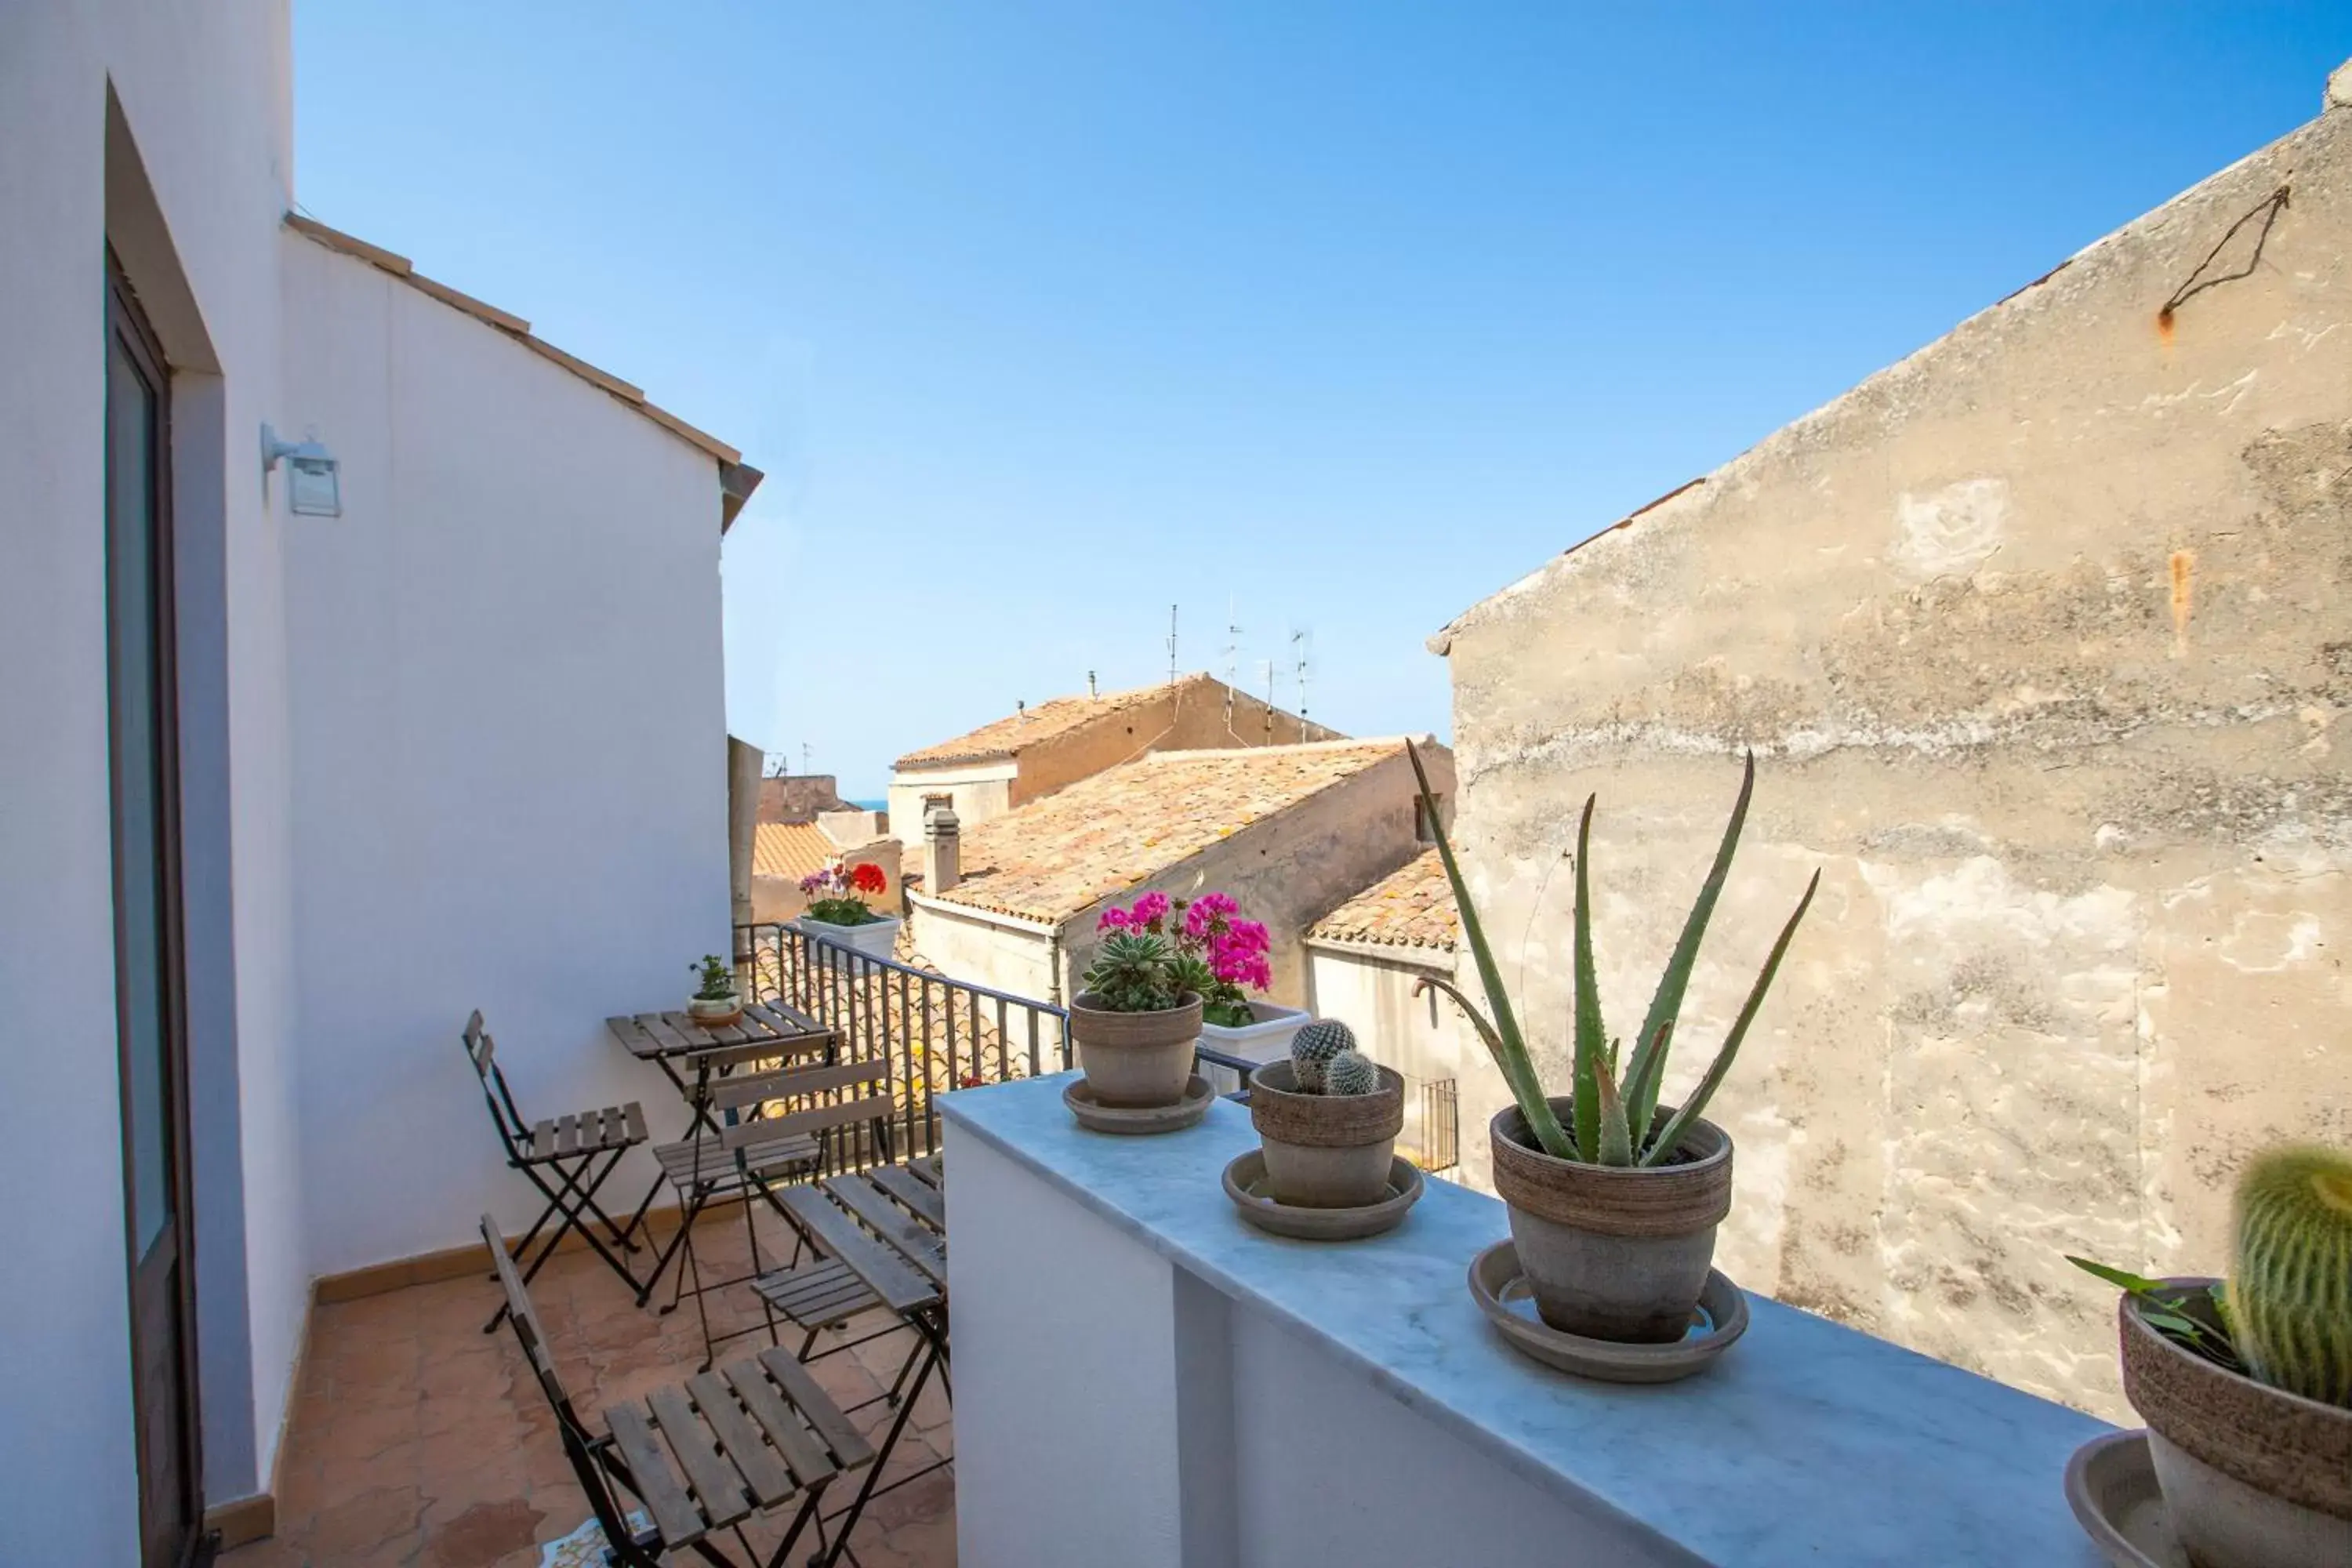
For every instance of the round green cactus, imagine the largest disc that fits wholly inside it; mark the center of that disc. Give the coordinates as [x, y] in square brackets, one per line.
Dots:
[1351, 1072]
[1315, 1045]
[2290, 1290]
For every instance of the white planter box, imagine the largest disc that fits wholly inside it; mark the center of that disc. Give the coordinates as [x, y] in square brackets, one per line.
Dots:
[1265, 1041]
[876, 939]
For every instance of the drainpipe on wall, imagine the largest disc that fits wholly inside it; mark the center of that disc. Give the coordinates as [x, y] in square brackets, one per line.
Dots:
[742, 824]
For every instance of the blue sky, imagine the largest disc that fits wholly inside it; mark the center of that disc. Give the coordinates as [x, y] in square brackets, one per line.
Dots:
[1041, 318]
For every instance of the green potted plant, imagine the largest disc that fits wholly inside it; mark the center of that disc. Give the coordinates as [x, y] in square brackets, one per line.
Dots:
[1135, 1025]
[716, 1003]
[1327, 1118]
[2246, 1385]
[837, 909]
[1614, 1197]
[1224, 958]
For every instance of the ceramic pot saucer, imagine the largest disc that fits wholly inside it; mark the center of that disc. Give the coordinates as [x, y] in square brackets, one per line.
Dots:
[2111, 1484]
[1097, 1117]
[1504, 1294]
[1246, 1185]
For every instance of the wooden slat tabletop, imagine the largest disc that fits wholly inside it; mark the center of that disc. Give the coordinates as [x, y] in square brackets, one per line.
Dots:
[675, 1034]
[674, 1512]
[888, 1274]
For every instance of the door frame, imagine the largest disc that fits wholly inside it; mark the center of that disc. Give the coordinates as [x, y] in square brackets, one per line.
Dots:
[126, 325]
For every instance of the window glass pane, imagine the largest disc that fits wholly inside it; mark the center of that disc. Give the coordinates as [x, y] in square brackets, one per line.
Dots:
[138, 848]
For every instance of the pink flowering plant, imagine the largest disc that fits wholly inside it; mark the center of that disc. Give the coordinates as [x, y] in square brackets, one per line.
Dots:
[1208, 948]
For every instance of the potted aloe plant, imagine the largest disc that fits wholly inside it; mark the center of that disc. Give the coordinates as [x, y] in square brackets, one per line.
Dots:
[2246, 1385]
[1614, 1197]
[1224, 958]
[1136, 1022]
[715, 1003]
[1327, 1118]
[837, 909]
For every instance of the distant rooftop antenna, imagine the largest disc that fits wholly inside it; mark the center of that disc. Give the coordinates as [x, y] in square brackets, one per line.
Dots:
[1302, 645]
[1171, 645]
[1020, 709]
[1090, 685]
[806, 765]
[1233, 652]
[1269, 702]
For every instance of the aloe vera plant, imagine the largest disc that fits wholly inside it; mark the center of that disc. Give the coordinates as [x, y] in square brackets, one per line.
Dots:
[1615, 1117]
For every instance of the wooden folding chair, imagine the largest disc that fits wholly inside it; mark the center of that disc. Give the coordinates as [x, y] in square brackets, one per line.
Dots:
[749, 1158]
[567, 1158]
[757, 1436]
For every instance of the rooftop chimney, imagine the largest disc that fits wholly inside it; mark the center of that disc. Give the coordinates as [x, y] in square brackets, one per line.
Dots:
[941, 844]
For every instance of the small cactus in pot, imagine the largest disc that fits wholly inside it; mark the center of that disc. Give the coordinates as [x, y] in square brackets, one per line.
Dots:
[1328, 1118]
[2246, 1386]
[2290, 1294]
[1314, 1044]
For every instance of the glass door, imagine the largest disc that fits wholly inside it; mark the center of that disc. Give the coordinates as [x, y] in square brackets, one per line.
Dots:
[142, 701]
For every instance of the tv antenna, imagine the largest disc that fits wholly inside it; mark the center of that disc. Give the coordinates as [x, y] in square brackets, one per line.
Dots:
[1269, 702]
[1233, 652]
[1171, 645]
[1302, 649]
[806, 766]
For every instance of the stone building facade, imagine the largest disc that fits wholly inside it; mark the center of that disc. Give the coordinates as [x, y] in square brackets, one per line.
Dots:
[2043, 641]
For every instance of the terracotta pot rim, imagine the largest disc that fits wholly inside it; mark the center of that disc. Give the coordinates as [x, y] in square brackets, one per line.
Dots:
[1655, 1200]
[2309, 1442]
[1281, 1113]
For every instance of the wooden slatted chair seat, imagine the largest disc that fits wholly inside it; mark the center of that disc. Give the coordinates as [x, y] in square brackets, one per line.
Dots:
[589, 1132]
[753, 1437]
[710, 1163]
[817, 1295]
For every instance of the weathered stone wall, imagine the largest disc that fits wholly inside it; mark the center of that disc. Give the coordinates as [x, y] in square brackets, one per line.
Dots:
[2042, 642]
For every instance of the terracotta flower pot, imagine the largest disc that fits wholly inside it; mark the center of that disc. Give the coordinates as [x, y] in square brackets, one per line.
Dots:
[1136, 1060]
[1613, 1253]
[2254, 1476]
[1325, 1151]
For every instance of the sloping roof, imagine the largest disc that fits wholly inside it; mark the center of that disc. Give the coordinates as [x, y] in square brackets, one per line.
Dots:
[1005, 737]
[1049, 859]
[737, 478]
[791, 850]
[1410, 907]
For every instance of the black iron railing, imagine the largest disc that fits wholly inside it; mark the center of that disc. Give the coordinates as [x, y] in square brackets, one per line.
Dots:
[937, 1033]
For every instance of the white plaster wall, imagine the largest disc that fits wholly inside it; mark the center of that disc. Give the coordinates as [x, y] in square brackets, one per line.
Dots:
[509, 785]
[976, 794]
[1369, 988]
[202, 89]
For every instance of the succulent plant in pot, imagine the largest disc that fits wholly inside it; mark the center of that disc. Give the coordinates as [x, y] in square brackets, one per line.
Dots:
[1614, 1197]
[717, 1002]
[1329, 1119]
[2246, 1385]
[1135, 1023]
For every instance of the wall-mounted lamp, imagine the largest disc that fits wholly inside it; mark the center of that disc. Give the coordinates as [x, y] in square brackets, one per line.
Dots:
[312, 488]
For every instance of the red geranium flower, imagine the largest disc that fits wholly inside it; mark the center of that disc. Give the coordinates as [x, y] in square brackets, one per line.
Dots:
[867, 878]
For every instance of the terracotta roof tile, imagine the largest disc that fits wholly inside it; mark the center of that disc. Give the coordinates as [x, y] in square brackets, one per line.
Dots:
[791, 850]
[1410, 907]
[1005, 737]
[1053, 858]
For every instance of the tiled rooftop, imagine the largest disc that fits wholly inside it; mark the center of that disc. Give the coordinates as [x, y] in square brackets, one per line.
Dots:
[416, 1439]
[791, 850]
[1053, 858]
[1410, 907]
[1007, 736]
